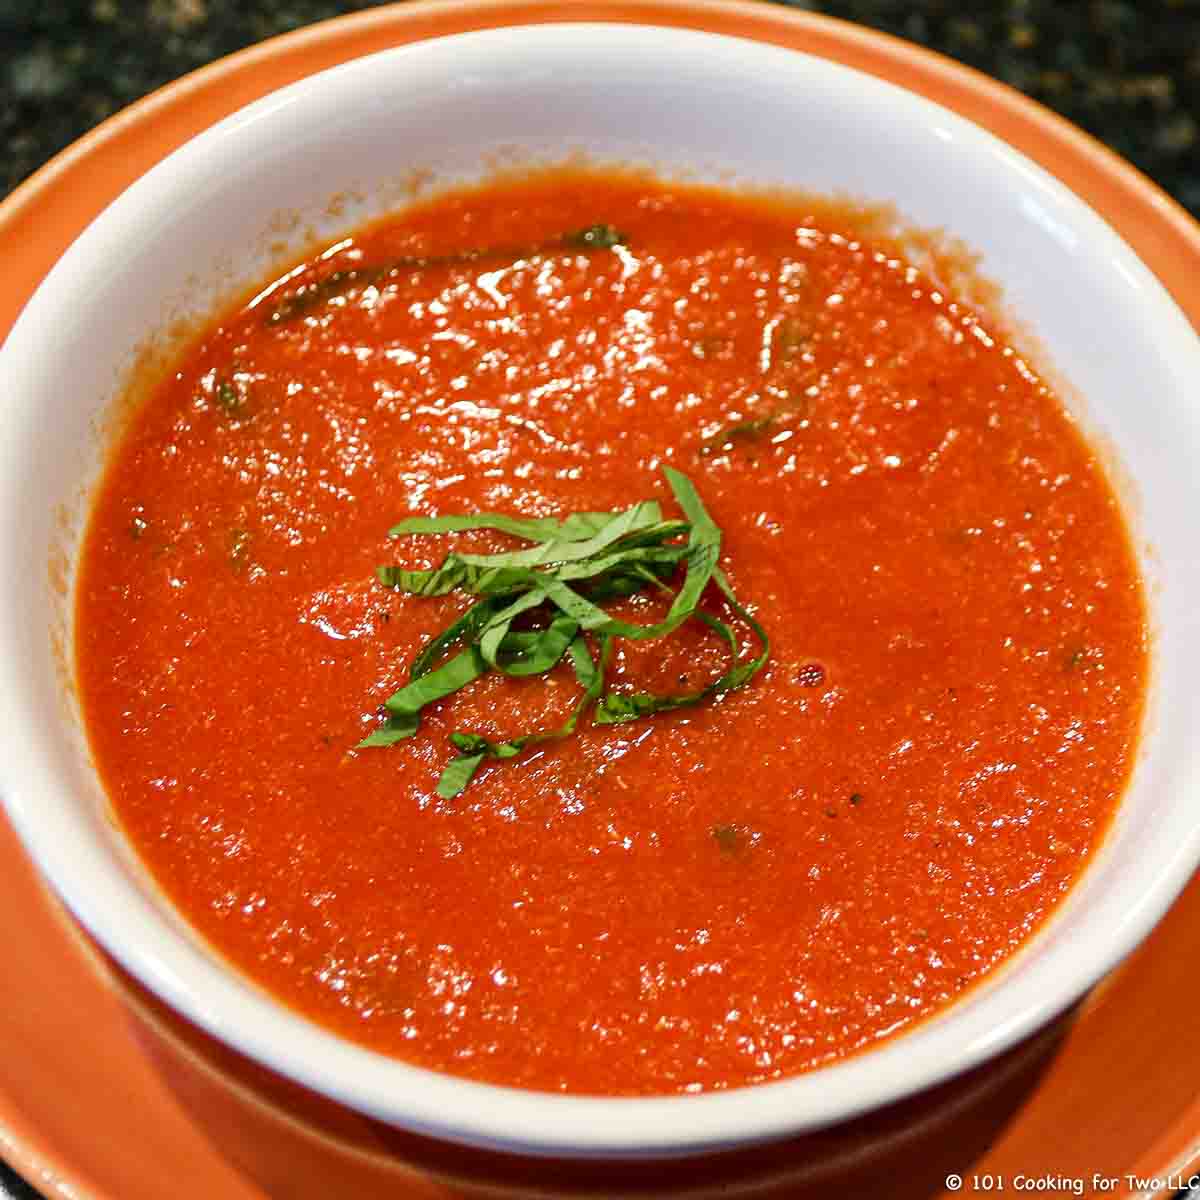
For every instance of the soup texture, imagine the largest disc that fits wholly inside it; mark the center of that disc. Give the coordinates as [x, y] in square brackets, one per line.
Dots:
[741, 890]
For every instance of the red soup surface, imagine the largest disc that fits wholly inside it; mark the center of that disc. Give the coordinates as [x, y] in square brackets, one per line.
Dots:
[702, 899]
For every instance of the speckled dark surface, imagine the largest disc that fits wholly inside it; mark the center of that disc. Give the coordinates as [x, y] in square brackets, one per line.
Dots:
[1128, 71]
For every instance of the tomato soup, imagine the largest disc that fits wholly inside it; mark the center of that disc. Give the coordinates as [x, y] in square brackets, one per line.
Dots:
[750, 887]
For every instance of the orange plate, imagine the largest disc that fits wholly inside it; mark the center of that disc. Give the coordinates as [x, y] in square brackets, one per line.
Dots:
[104, 1094]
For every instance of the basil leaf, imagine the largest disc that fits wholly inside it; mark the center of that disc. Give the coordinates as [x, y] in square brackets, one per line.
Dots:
[474, 748]
[639, 518]
[496, 574]
[700, 563]
[744, 673]
[462, 669]
[474, 743]
[574, 528]
[462, 630]
[618, 707]
[519, 654]
[452, 575]
[396, 729]
[457, 775]
[495, 631]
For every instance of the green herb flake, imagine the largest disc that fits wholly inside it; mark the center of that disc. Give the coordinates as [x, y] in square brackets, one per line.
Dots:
[595, 237]
[138, 526]
[238, 545]
[314, 295]
[309, 297]
[735, 839]
[748, 430]
[711, 346]
[232, 397]
[790, 339]
[557, 588]
[728, 838]
[1083, 659]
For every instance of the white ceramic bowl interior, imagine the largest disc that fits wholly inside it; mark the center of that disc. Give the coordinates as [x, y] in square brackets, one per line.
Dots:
[201, 221]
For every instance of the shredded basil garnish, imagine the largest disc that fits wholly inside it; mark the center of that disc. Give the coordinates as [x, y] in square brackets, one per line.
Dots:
[558, 587]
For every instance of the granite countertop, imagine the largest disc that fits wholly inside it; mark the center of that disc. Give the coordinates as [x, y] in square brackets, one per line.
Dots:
[1128, 71]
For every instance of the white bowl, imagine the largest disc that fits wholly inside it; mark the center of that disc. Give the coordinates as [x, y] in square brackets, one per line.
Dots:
[204, 221]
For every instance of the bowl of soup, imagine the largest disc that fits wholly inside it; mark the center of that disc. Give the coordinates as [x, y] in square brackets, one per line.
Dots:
[577, 623]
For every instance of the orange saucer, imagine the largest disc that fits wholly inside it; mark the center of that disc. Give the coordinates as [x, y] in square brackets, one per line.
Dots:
[106, 1095]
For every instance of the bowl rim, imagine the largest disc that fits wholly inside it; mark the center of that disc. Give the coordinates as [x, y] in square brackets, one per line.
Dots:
[686, 1105]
